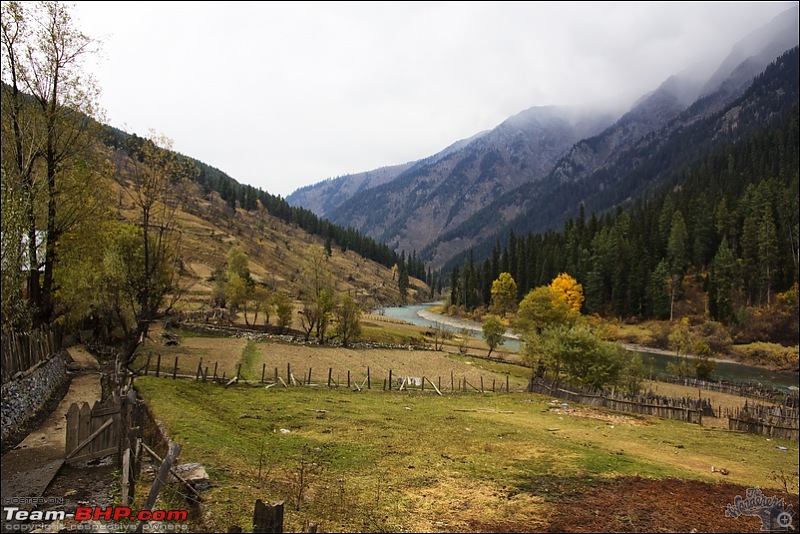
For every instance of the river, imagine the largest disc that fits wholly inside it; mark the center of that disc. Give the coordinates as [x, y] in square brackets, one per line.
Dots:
[418, 314]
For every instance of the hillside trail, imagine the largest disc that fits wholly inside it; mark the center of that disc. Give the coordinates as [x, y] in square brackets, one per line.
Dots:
[30, 466]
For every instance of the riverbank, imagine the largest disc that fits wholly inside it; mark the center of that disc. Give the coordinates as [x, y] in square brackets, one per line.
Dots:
[459, 323]
[663, 352]
[757, 362]
[766, 356]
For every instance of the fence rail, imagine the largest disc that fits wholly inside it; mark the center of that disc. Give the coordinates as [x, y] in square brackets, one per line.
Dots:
[23, 351]
[739, 389]
[681, 409]
[763, 428]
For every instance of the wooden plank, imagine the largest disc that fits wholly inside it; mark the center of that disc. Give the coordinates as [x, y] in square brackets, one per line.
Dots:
[90, 438]
[126, 477]
[92, 456]
[434, 385]
[173, 471]
[73, 420]
[84, 424]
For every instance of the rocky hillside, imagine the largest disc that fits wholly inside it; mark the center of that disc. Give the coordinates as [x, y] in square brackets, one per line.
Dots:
[437, 194]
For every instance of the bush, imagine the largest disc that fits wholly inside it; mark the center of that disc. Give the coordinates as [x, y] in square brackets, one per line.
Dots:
[704, 368]
[716, 336]
[769, 354]
[777, 324]
[661, 333]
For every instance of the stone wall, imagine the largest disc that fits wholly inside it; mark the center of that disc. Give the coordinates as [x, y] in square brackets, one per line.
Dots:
[25, 396]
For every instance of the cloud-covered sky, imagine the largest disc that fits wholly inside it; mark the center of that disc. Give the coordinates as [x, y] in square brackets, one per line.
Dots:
[284, 94]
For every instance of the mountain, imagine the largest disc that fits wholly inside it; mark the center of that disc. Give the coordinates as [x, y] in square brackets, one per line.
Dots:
[751, 55]
[632, 154]
[654, 163]
[518, 175]
[323, 197]
[440, 192]
[217, 213]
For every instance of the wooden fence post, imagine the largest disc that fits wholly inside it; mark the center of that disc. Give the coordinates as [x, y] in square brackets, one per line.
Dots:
[158, 365]
[126, 477]
[268, 518]
[330, 371]
[263, 371]
[368, 381]
[172, 455]
[175, 369]
[390, 380]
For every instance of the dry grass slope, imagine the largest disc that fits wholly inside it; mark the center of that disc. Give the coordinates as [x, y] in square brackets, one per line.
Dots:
[277, 251]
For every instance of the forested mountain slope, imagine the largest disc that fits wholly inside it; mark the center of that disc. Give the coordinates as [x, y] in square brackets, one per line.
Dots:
[643, 166]
[714, 236]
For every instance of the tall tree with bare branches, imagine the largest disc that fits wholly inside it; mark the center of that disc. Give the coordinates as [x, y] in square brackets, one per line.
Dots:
[145, 260]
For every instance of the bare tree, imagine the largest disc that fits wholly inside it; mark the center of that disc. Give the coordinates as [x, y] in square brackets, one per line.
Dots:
[348, 319]
[153, 179]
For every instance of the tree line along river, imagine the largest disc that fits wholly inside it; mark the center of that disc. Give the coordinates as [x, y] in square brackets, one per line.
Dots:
[418, 314]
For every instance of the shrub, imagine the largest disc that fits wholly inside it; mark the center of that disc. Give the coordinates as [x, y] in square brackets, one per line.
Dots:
[716, 336]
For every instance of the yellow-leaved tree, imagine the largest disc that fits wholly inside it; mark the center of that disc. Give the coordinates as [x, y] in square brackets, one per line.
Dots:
[569, 289]
[504, 294]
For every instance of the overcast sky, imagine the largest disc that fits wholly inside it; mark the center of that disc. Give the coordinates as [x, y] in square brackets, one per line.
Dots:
[282, 95]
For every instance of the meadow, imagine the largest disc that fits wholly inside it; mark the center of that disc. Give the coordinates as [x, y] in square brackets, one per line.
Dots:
[375, 460]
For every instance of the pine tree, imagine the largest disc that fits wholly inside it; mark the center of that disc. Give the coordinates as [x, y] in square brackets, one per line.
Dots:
[676, 259]
[722, 283]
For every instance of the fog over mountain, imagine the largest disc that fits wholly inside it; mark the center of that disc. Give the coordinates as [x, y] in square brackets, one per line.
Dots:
[443, 205]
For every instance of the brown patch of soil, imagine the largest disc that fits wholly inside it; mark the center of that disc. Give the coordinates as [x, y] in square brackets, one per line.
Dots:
[635, 504]
[607, 417]
[95, 484]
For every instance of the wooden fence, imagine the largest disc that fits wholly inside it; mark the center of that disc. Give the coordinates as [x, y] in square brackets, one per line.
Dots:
[773, 421]
[682, 409]
[739, 389]
[275, 376]
[22, 352]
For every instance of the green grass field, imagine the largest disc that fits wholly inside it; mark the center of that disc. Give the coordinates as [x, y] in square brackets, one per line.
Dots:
[416, 461]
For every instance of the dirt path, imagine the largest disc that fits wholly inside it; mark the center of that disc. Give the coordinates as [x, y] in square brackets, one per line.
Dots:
[28, 468]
